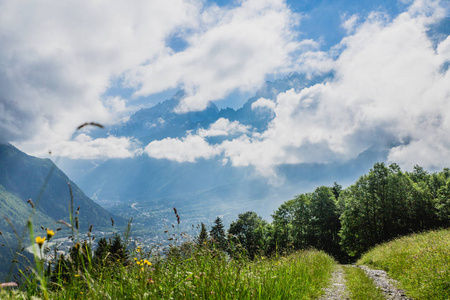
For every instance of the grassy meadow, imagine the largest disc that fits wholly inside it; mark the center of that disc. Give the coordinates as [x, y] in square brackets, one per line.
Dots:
[203, 274]
[420, 262]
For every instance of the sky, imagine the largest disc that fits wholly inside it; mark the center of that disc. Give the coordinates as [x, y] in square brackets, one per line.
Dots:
[63, 63]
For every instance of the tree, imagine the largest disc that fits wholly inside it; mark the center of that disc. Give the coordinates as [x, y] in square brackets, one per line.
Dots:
[202, 238]
[336, 189]
[118, 249]
[384, 204]
[218, 234]
[101, 252]
[290, 224]
[324, 230]
[251, 231]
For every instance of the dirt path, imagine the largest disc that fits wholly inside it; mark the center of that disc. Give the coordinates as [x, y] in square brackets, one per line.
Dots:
[386, 284]
[337, 289]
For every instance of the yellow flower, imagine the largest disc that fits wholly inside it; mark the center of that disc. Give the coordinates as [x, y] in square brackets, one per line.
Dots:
[147, 263]
[40, 241]
[50, 234]
[138, 249]
[135, 258]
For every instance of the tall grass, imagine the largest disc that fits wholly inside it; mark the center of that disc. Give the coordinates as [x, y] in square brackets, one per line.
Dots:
[420, 263]
[207, 274]
[359, 286]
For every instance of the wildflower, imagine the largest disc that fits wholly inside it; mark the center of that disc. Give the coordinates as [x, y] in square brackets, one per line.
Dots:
[135, 258]
[40, 241]
[147, 263]
[50, 234]
[77, 275]
[138, 249]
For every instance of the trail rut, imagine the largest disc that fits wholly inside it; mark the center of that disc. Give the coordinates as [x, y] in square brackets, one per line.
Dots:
[337, 288]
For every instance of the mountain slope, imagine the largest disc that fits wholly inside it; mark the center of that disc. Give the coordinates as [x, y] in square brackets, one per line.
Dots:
[24, 176]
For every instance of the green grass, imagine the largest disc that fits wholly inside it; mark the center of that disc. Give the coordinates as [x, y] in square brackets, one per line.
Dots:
[359, 286]
[207, 275]
[420, 263]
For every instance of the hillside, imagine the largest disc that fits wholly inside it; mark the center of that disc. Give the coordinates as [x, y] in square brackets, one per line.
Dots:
[23, 177]
[419, 262]
[46, 185]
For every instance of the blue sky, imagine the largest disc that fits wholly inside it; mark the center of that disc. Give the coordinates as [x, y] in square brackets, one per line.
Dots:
[67, 62]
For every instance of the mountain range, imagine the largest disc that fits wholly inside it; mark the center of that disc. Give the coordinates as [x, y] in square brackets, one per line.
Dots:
[147, 188]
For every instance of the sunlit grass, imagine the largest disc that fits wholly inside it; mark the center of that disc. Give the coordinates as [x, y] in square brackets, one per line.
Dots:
[420, 263]
[207, 274]
[359, 286]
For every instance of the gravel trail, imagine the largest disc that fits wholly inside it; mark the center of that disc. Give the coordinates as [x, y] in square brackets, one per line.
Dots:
[386, 284]
[336, 290]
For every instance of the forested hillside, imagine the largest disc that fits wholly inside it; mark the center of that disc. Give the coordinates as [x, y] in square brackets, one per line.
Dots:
[379, 206]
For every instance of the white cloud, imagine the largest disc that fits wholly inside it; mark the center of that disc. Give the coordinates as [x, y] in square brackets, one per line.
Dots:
[350, 23]
[264, 103]
[84, 147]
[59, 57]
[389, 86]
[235, 50]
[223, 127]
[188, 149]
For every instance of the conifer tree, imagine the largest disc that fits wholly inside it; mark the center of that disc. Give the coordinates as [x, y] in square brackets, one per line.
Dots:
[118, 249]
[218, 234]
[203, 235]
[101, 251]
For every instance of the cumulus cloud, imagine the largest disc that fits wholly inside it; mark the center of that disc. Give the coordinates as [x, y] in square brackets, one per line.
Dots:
[58, 58]
[349, 23]
[194, 146]
[188, 149]
[264, 103]
[223, 127]
[391, 85]
[237, 50]
[85, 147]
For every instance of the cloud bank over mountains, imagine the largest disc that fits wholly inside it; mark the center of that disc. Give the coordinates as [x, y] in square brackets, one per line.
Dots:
[390, 85]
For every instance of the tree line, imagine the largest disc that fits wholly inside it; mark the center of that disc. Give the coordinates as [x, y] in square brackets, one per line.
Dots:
[379, 206]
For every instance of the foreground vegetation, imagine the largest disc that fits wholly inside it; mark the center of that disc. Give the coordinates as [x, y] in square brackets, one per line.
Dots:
[199, 272]
[420, 263]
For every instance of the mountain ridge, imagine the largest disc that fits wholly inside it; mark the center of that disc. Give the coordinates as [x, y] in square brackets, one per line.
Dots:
[41, 181]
